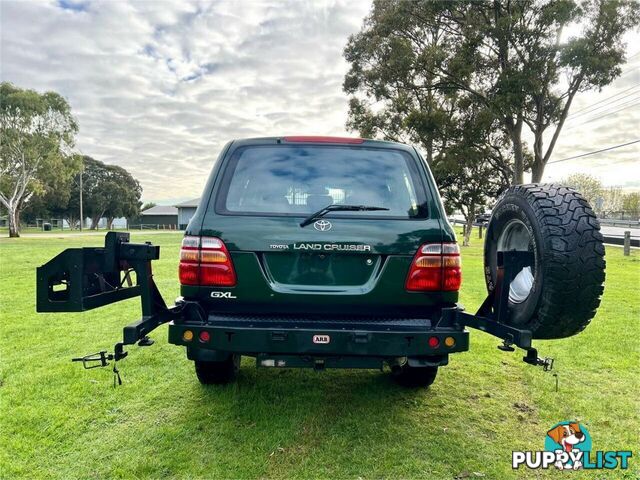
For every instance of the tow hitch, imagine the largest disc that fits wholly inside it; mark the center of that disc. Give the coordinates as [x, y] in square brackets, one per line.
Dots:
[532, 359]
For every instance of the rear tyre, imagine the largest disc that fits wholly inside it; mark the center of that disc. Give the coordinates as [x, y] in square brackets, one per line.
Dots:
[558, 295]
[414, 377]
[218, 373]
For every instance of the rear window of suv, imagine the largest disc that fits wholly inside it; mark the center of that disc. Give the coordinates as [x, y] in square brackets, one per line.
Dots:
[295, 180]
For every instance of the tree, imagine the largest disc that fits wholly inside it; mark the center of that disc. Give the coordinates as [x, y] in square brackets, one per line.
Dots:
[393, 88]
[37, 133]
[54, 197]
[147, 206]
[631, 204]
[125, 192]
[554, 71]
[509, 55]
[613, 198]
[109, 191]
[396, 94]
[473, 168]
[589, 186]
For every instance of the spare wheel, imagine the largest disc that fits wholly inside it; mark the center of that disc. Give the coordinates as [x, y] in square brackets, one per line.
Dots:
[557, 296]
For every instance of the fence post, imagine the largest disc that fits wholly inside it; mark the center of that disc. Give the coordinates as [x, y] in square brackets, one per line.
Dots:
[480, 231]
[627, 243]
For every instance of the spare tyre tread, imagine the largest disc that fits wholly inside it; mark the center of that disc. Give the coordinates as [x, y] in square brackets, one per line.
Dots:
[573, 259]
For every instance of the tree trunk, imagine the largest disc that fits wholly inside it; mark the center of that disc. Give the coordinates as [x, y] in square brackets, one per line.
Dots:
[14, 227]
[109, 223]
[430, 150]
[94, 222]
[71, 220]
[515, 134]
[541, 161]
[537, 170]
[469, 217]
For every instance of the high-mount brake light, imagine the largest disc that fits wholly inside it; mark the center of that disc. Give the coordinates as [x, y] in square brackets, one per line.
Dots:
[435, 267]
[317, 139]
[205, 261]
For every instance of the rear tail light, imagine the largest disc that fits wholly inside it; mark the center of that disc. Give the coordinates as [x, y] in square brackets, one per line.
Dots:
[205, 261]
[436, 267]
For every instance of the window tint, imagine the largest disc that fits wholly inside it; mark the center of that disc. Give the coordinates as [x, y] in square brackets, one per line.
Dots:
[299, 180]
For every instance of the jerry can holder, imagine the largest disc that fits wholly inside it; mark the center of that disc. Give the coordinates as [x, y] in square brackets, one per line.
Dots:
[81, 279]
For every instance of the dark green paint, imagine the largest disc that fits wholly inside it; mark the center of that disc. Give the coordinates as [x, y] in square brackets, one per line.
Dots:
[368, 281]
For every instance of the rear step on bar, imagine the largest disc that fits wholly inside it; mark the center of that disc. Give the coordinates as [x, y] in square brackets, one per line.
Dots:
[80, 279]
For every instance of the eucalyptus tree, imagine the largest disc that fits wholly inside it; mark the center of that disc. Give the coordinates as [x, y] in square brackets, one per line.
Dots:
[37, 134]
[514, 57]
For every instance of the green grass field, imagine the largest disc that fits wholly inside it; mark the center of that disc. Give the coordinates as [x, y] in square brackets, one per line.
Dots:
[60, 421]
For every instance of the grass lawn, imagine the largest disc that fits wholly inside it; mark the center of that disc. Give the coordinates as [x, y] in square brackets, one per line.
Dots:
[60, 421]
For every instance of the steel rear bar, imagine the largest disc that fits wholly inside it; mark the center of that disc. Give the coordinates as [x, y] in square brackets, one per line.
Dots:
[81, 279]
[317, 341]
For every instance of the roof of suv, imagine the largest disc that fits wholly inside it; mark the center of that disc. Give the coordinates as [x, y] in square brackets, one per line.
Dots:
[321, 140]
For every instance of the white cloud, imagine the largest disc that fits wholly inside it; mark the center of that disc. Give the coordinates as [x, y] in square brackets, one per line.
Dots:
[159, 87]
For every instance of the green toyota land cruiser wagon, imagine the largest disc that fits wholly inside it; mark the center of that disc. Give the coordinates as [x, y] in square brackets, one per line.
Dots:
[329, 252]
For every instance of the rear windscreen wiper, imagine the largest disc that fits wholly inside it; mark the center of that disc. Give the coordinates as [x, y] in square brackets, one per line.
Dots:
[338, 208]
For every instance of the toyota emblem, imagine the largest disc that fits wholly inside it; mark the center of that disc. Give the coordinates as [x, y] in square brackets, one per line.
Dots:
[322, 225]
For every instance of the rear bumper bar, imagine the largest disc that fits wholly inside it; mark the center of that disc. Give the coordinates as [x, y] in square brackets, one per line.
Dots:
[375, 338]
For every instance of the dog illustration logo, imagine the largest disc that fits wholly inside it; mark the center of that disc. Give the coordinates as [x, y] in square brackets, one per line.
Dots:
[567, 446]
[570, 438]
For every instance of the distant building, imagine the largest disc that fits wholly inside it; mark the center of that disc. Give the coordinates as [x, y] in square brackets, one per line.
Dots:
[163, 215]
[186, 210]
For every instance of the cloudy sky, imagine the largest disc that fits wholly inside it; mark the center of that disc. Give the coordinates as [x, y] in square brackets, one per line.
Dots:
[159, 87]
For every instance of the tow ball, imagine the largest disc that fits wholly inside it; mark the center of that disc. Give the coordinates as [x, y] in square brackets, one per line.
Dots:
[532, 359]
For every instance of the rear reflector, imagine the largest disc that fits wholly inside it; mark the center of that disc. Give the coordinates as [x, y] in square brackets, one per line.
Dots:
[315, 139]
[206, 261]
[435, 267]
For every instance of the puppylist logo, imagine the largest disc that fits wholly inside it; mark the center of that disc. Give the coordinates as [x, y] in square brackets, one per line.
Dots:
[567, 446]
